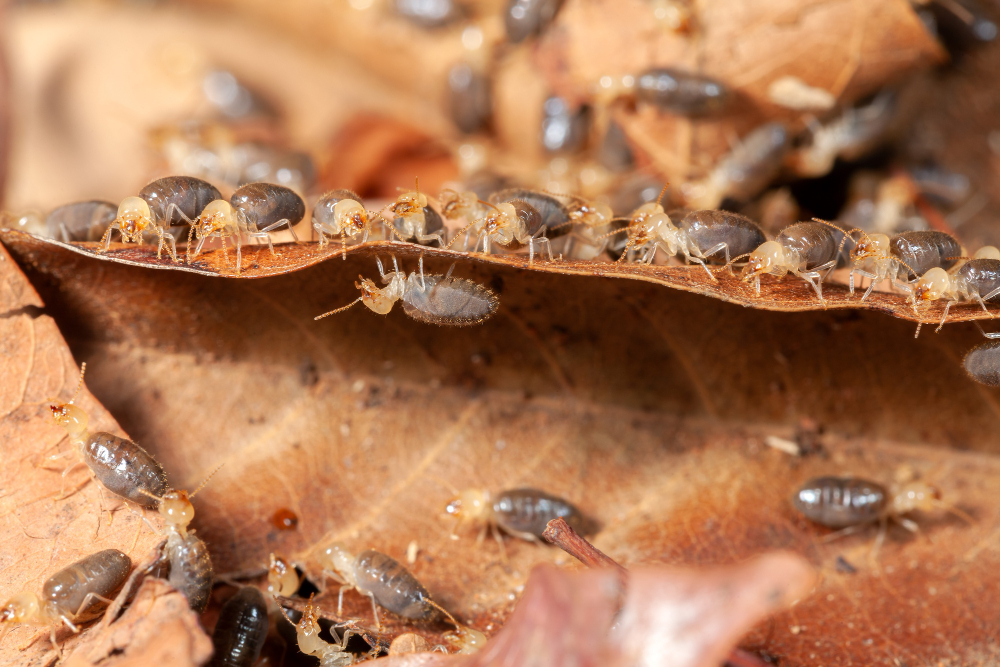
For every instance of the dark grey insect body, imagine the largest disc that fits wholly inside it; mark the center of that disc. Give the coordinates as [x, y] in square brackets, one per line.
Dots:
[564, 129]
[268, 205]
[552, 212]
[528, 18]
[982, 363]
[428, 13]
[721, 235]
[69, 590]
[815, 243]
[392, 585]
[469, 101]
[922, 251]
[190, 568]
[433, 226]
[178, 200]
[681, 92]
[840, 502]
[444, 300]
[753, 164]
[80, 221]
[615, 153]
[124, 468]
[980, 277]
[241, 629]
[528, 511]
[323, 212]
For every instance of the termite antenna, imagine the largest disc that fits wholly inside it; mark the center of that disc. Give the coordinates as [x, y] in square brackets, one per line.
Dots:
[79, 383]
[151, 495]
[662, 192]
[339, 310]
[733, 261]
[445, 612]
[282, 609]
[847, 234]
[953, 510]
[617, 231]
[190, 236]
[205, 481]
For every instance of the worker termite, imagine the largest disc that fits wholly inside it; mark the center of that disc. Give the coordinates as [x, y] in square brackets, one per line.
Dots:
[465, 640]
[510, 225]
[879, 258]
[80, 221]
[523, 513]
[415, 219]
[70, 597]
[849, 502]
[254, 210]
[680, 92]
[804, 249]
[282, 579]
[307, 635]
[745, 171]
[342, 212]
[850, 136]
[529, 18]
[976, 280]
[120, 465]
[712, 235]
[433, 299]
[241, 629]
[555, 216]
[190, 564]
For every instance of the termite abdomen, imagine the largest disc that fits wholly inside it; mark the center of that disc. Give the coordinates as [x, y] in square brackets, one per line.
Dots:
[125, 468]
[448, 301]
[814, 242]
[681, 92]
[393, 586]
[553, 214]
[922, 251]
[839, 502]
[525, 18]
[982, 363]
[982, 275]
[99, 574]
[267, 203]
[80, 221]
[530, 510]
[241, 629]
[710, 228]
[469, 98]
[189, 195]
[190, 569]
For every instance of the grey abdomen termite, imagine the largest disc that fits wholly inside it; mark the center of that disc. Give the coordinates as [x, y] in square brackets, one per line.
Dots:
[553, 213]
[99, 574]
[982, 363]
[709, 228]
[681, 92]
[469, 100]
[525, 18]
[80, 221]
[266, 203]
[189, 195]
[241, 629]
[530, 510]
[922, 251]
[190, 569]
[814, 242]
[448, 301]
[125, 468]
[839, 502]
[392, 585]
[981, 276]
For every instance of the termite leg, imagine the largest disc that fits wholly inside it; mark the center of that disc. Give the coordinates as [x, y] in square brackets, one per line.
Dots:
[283, 221]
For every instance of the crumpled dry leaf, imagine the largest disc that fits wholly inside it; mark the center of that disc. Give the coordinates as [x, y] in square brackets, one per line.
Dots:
[158, 628]
[359, 424]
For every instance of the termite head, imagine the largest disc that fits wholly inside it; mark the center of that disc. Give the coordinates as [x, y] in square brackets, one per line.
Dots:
[375, 297]
[587, 213]
[464, 639]
[350, 216]
[987, 252]
[409, 203]
[501, 223]
[875, 246]
[470, 505]
[282, 579]
[931, 286]
[176, 509]
[22, 608]
[767, 257]
[916, 496]
[337, 557]
[215, 217]
[133, 218]
[456, 204]
[69, 416]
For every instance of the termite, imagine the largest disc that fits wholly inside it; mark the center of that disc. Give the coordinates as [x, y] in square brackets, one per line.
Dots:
[307, 635]
[282, 579]
[510, 225]
[976, 280]
[120, 465]
[469, 98]
[745, 171]
[241, 629]
[415, 219]
[173, 200]
[850, 136]
[80, 221]
[982, 362]
[879, 258]
[564, 128]
[555, 216]
[713, 235]
[342, 212]
[523, 513]
[465, 640]
[433, 299]
[72, 596]
[190, 563]
[804, 249]
[529, 18]
[680, 92]
[254, 210]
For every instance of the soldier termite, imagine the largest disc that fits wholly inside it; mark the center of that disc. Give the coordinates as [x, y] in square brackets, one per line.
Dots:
[976, 280]
[415, 219]
[254, 210]
[342, 212]
[849, 502]
[307, 635]
[511, 225]
[680, 92]
[282, 579]
[80, 221]
[70, 597]
[190, 564]
[120, 465]
[745, 171]
[241, 629]
[433, 299]
[529, 18]
[804, 249]
[523, 513]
